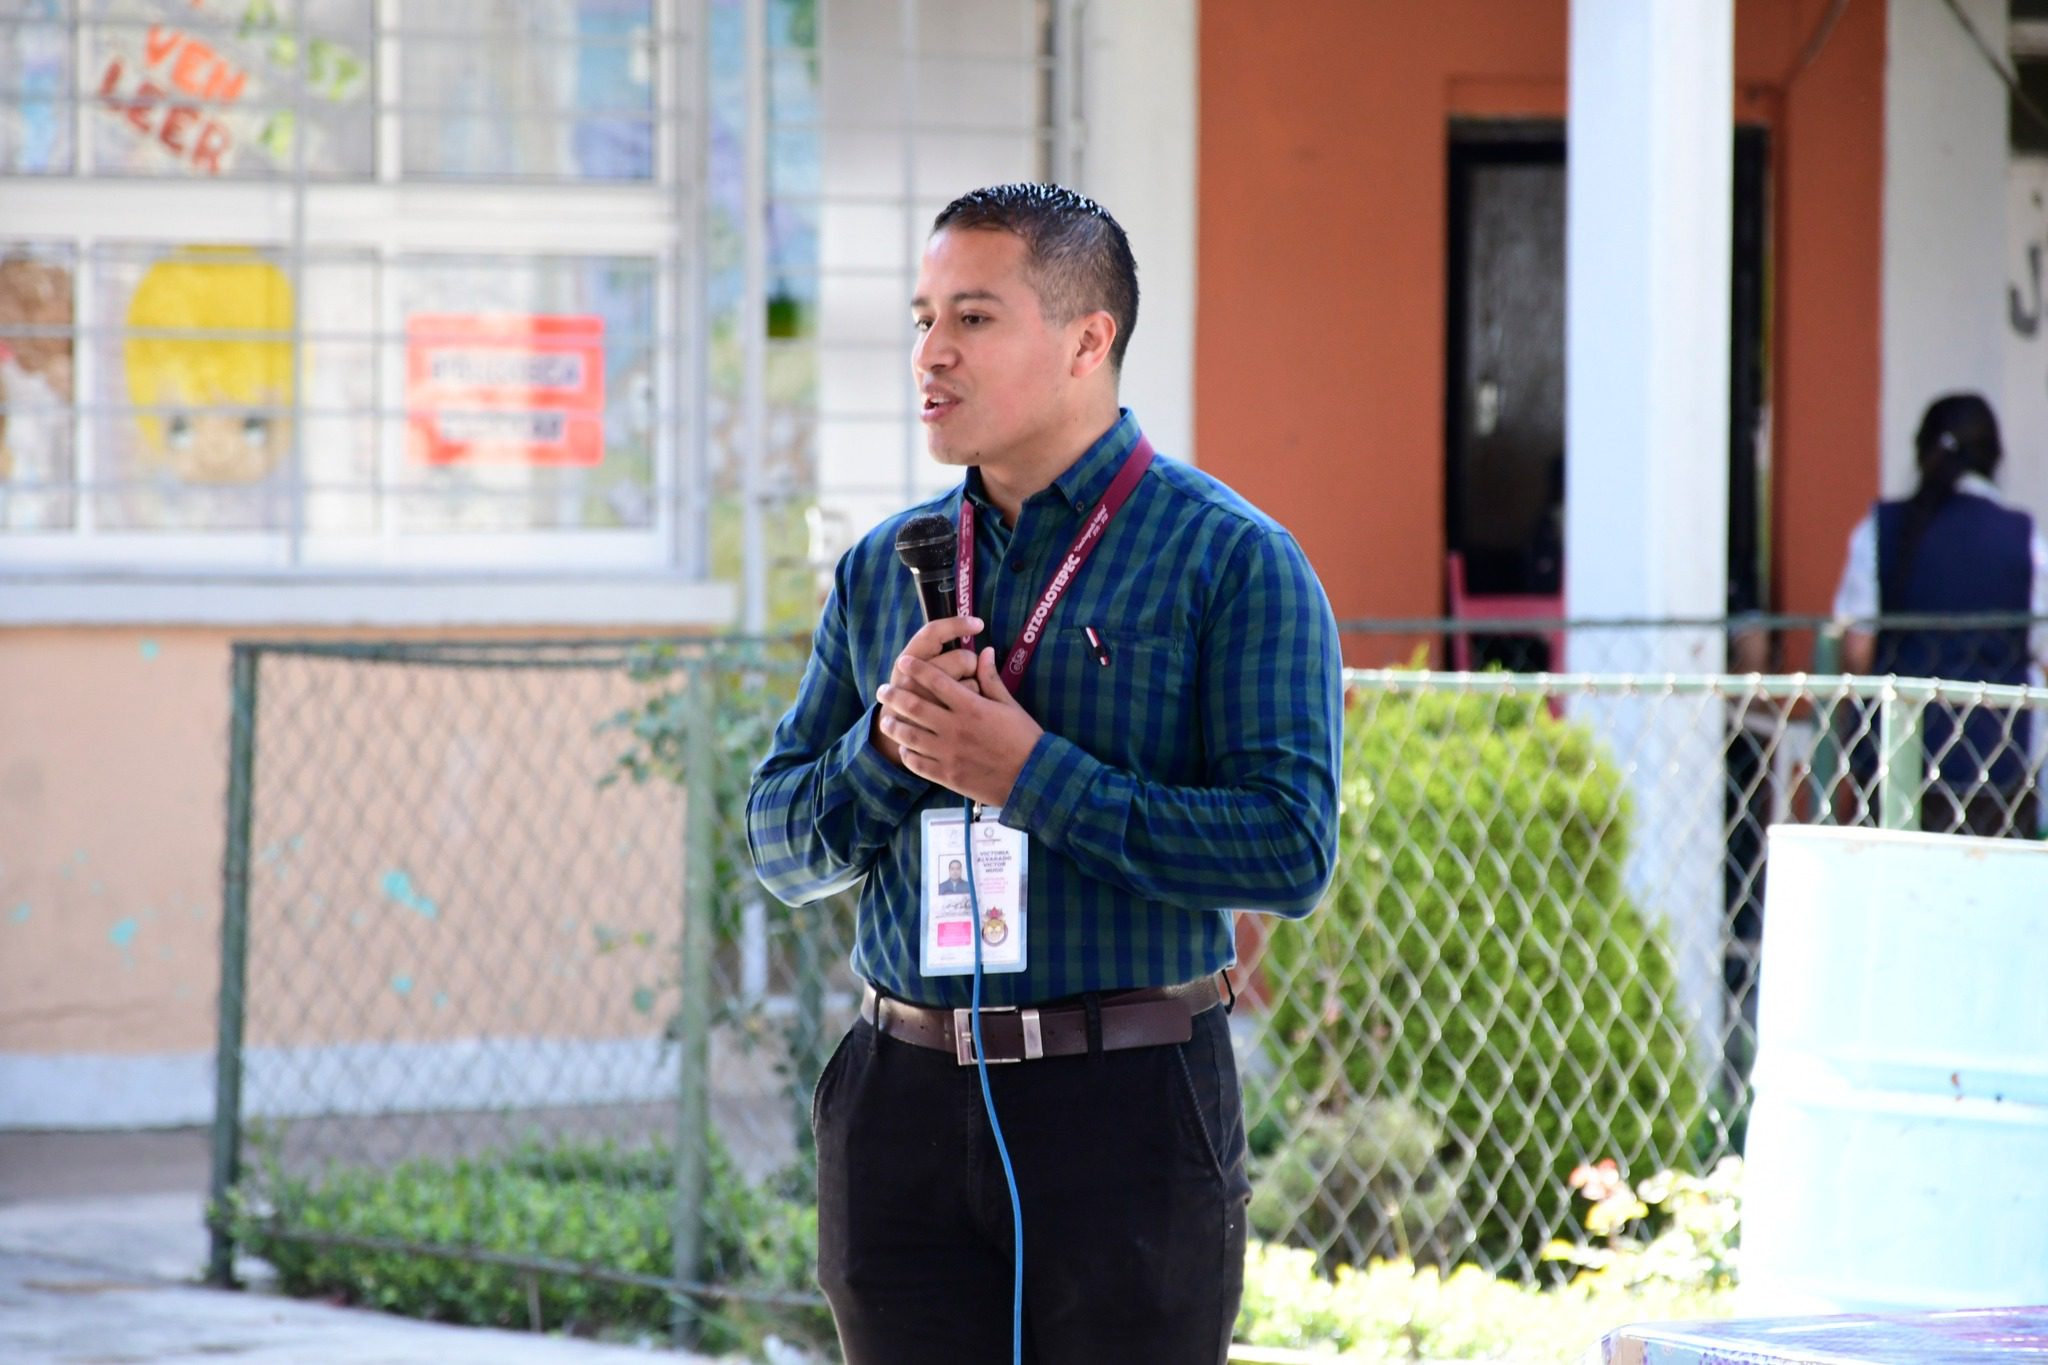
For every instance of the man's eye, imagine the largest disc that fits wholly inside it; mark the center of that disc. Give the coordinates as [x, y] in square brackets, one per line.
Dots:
[920, 325]
[973, 319]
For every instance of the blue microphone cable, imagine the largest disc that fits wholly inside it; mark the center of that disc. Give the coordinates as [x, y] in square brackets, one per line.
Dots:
[988, 1103]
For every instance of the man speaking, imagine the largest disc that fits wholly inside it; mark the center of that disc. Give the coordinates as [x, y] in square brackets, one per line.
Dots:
[1143, 739]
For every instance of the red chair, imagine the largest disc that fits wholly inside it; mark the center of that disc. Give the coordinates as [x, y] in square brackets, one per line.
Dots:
[1469, 606]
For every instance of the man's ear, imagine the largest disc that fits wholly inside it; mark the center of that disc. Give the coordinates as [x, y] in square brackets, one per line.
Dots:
[1093, 334]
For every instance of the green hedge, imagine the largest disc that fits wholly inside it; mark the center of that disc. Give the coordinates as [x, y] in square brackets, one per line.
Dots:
[1477, 958]
[587, 1204]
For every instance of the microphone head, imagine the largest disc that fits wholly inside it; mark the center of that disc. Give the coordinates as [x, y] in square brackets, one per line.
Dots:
[926, 544]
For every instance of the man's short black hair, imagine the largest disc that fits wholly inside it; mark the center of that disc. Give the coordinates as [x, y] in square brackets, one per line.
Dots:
[1076, 255]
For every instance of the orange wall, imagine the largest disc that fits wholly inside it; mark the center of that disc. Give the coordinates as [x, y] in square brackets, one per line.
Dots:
[1828, 150]
[1319, 358]
[113, 785]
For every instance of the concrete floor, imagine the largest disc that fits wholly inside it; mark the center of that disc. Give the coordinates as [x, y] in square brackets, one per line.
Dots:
[38, 1167]
[101, 1243]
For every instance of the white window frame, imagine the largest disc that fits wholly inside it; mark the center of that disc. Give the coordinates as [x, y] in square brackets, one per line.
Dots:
[655, 576]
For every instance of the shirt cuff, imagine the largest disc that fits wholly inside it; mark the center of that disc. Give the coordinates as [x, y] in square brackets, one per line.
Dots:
[884, 790]
[1049, 792]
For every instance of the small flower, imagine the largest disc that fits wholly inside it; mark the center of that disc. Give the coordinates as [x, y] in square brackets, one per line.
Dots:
[1597, 1182]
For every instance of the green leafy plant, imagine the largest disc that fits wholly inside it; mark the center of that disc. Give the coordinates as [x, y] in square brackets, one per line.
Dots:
[1478, 957]
[413, 1234]
[750, 687]
[1660, 1250]
[748, 697]
[1359, 1181]
[1398, 1311]
[1672, 1228]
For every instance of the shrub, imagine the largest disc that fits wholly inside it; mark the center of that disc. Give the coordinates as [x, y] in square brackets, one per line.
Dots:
[587, 1205]
[1362, 1181]
[1397, 1311]
[1394, 1310]
[1478, 958]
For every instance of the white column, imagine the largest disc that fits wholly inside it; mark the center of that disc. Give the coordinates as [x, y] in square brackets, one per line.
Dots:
[1649, 197]
[1945, 167]
[1138, 141]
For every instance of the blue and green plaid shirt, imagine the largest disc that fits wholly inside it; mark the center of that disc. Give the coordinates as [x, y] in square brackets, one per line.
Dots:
[1193, 775]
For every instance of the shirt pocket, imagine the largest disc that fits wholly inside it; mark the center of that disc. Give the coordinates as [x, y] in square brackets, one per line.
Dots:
[1126, 696]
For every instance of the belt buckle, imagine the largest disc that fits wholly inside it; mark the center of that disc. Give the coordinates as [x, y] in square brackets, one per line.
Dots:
[963, 1035]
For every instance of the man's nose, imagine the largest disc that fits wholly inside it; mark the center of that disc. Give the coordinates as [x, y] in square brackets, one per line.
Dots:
[934, 351]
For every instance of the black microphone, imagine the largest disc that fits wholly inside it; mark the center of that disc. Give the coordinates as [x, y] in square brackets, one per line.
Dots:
[927, 545]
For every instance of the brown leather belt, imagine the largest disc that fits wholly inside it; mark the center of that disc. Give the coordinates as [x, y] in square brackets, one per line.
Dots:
[1139, 1018]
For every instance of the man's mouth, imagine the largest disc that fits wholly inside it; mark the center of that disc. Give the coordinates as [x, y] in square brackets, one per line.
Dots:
[937, 405]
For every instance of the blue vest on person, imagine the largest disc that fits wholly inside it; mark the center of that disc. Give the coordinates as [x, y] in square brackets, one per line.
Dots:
[1975, 556]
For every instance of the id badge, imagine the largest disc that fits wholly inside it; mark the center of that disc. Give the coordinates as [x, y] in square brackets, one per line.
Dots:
[947, 930]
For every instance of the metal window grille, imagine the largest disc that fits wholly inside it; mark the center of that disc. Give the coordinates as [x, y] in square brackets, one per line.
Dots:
[914, 103]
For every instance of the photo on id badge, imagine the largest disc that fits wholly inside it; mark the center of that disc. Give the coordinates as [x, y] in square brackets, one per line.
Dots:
[948, 929]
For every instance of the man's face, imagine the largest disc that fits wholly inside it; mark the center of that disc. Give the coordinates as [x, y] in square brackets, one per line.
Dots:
[953, 869]
[988, 364]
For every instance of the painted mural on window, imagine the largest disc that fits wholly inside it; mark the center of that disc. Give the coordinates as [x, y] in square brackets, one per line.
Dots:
[540, 89]
[35, 389]
[528, 393]
[197, 384]
[212, 88]
[504, 388]
[35, 70]
[209, 366]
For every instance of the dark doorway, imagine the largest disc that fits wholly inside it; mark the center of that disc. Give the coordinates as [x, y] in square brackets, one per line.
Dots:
[1748, 379]
[1504, 400]
[1505, 462]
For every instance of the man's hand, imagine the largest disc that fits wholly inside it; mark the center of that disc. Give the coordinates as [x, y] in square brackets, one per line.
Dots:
[969, 736]
[928, 646]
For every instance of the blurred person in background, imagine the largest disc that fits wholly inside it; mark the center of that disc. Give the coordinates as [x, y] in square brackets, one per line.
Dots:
[1956, 547]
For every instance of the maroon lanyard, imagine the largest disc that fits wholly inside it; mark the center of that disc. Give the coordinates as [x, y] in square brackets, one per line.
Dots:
[1019, 658]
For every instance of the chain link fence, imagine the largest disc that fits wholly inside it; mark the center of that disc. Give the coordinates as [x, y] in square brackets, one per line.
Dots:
[1541, 947]
[509, 1033]
[1975, 647]
[472, 1011]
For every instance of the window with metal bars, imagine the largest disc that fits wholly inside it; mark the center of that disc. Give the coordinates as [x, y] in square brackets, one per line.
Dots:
[306, 288]
[874, 115]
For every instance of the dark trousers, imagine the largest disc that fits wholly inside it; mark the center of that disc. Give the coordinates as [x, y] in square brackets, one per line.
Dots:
[1131, 1171]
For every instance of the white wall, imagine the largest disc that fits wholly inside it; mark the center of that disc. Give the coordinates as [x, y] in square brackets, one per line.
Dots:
[2024, 415]
[1139, 73]
[1945, 175]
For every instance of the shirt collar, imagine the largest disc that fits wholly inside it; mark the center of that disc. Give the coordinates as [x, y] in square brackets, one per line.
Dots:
[1977, 484]
[1088, 477]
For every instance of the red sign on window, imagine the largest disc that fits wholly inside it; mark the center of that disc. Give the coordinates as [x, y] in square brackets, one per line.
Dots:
[509, 388]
